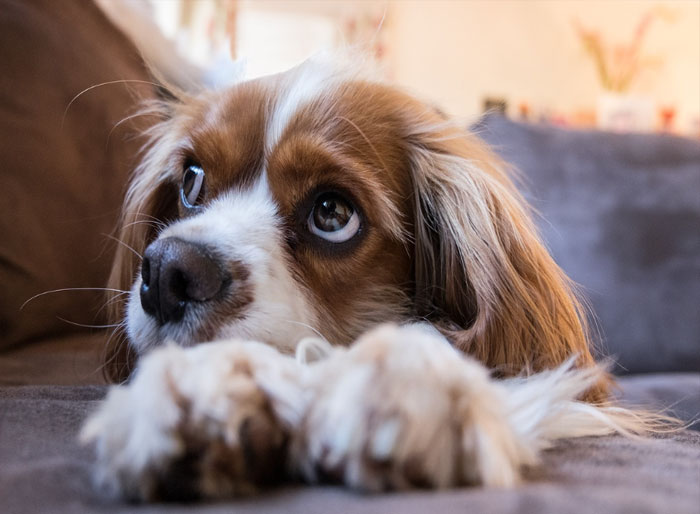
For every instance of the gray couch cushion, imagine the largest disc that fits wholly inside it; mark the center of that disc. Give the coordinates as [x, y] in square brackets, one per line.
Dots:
[43, 470]
[621, 215]
[677, 394]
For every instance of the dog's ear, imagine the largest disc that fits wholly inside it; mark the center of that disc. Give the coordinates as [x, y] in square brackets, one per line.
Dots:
[150, 202]
[482, 274]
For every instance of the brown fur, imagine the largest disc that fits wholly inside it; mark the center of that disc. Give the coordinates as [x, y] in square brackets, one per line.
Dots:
[446, 237]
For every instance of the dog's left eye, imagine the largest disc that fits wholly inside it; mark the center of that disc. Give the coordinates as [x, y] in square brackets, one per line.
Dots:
[192, 189]
[333, 218]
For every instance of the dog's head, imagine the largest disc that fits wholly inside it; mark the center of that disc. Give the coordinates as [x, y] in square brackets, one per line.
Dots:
[316, 202]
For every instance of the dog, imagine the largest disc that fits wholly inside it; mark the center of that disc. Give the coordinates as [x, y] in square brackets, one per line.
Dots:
[329, 280]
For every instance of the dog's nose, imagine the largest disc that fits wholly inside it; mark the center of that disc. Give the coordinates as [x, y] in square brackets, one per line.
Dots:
[176, 273]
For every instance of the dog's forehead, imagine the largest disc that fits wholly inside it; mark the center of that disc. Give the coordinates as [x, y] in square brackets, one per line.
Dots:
[300, 131]
[227, 136]
[236, 129]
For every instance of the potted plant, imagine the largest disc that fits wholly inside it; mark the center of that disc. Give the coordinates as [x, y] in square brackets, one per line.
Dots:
[618, 66]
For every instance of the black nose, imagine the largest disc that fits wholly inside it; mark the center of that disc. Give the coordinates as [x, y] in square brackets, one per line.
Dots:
[176, 273]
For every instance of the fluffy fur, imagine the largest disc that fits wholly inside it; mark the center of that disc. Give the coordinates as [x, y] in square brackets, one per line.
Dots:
[446, 250]
[399, 409]
[449, 238]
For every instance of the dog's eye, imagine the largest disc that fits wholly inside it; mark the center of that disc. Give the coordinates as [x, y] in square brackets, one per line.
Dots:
[333, 218]
[192, 189]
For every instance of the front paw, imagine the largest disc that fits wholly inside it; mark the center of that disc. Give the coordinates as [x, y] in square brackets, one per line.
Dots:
[403, 409]
[197, 423]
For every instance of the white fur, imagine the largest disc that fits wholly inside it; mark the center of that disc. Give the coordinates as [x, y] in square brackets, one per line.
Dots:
[298, 88]
[139, 429]
[315, 77]
[243, 226]
[399, 407]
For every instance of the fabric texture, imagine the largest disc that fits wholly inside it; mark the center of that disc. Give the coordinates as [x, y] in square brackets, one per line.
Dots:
[677, 394]
[44, 470]
[76, 359]
[627, 240]
[620, 213]
[65, 160]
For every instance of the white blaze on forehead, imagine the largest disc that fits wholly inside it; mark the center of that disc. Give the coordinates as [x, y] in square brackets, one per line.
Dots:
[299, 87]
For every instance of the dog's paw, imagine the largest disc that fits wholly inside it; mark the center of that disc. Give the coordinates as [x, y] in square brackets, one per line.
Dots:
[207, 422]
[403, 409]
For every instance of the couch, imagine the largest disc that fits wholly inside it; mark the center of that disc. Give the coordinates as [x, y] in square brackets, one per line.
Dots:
[619, 212]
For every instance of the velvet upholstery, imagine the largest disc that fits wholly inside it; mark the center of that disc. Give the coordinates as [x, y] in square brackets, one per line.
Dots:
[65, 160]
[64, 174]
[621, 215]
[44, 470]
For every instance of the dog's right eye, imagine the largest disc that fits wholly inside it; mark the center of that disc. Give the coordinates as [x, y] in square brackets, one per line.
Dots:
[192, 190]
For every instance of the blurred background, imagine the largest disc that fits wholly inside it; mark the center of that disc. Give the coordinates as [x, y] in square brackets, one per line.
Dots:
[624, 65]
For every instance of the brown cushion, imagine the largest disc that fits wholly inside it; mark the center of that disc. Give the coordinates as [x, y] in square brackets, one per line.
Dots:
[63, 170]
[73, 359]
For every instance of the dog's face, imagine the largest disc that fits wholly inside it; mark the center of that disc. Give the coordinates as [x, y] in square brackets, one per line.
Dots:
[313, 202]
[287, 217]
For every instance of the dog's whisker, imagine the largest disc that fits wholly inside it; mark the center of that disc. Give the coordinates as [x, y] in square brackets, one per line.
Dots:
[71, 289]
[364, 136]
[315, 331]
[84, 325]
[155, 224]
[124, 244]
[116, 298]
[108, 83]
[109, 357]
[154, 219]
[127, 118]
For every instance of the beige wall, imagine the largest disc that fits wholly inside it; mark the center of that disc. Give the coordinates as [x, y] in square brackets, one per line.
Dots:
[457, 52]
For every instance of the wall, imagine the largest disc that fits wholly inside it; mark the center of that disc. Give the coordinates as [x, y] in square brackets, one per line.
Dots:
[457, 52]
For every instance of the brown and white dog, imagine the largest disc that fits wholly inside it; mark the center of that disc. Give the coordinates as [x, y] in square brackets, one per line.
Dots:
[301, 211]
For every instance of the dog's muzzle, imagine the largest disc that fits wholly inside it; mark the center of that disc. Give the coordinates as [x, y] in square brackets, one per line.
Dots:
[176, 273]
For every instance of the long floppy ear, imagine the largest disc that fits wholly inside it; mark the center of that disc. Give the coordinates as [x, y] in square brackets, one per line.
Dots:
[149, 204]
[482, 273]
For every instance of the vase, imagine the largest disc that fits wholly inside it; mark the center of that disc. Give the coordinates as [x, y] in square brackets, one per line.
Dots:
[620, 112]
